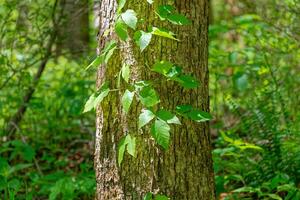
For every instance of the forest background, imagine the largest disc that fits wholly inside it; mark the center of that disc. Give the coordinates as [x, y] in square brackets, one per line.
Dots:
[254, 65]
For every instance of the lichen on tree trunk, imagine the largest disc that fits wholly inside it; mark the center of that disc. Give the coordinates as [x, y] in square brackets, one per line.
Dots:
[185, 170]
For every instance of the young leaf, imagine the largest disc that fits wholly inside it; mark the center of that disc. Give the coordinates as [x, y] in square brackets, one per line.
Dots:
[168, 12]
[148, 196]
[161, 197]
[98, 60]
[121, 30]
[121, 150]
[164, 11]
[128, 142]
[187, 81]
[104, 90]
[94, 100]
[129, 17]
[178, 19]
[162, 67]
[125, 71]
[109, 54]
[145, 117]
[148, 97]
[131, 144]
[89, 105]
[189, 112]
[199, 116]
[127, 100]
[160, 132]
[163, 33]
[142, 39]
[121, 5]
[168, 117]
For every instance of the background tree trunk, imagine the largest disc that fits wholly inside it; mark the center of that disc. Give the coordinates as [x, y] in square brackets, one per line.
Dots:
[74, 32]
[185, 170]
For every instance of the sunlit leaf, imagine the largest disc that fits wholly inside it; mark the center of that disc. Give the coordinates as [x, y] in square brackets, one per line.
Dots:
[142, 39]
[163, 33]
[131, 145]
[125, 71]
[121, 4]
[129, 17]
[127, 100]
[145, 117]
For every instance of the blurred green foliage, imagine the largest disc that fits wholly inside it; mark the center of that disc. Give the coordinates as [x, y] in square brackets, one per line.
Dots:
[254, 69]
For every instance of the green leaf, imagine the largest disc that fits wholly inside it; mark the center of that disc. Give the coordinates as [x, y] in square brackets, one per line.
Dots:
[109, 54]
[142, 39]
[103, 92]
[131, 145]
[95, 63]
[105, 54]
[145, 117]
[163, 33]
[174, 72]
[121, 150]
[182, 109]
[129, 17]
[168, 117]
[121, 30]
[160, 132]
[148, 196]
[186, 81]
[161, 197]
[89, 105]
[162, 67]
[168, 12]
[128, 142]
[199, 116]
[121, 4]
[148, 97]
[178, 19]
[125, 71]
[94, 100]
[164, 11]
[127, 100]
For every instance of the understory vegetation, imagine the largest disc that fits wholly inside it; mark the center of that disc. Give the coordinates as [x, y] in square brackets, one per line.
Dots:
[254, 66]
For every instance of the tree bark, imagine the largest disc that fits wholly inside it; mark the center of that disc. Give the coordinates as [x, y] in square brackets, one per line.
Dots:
[185, 170]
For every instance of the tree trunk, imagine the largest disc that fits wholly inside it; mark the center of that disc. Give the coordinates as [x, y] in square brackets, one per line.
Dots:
[184, 171]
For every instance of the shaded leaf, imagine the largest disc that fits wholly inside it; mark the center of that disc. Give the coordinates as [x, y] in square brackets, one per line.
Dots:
[168, 117]
[199, 116]
[121, 150]
[148, 97]
[121, 30]
[162, 67]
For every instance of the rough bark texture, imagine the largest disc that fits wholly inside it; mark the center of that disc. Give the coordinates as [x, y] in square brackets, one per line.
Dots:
[185, 170]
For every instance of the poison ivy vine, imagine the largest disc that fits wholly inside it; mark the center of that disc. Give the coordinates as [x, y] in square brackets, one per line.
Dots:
[159, 120]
